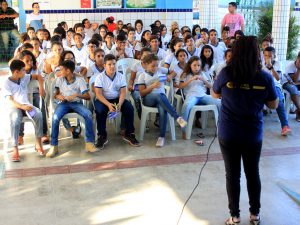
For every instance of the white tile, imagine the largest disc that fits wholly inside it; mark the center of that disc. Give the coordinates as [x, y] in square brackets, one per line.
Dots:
[68, 16]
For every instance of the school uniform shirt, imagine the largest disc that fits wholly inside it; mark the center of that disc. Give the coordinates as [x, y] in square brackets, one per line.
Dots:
[90, 32]
[196, 52]
[33, 86]
[17, 89]
[35, 21]
[88, 62]
[138, 36]
[128, 52]
[178, 70]
[138, 69]
[81, 54]
[78, 86]
[147, 79]
[40, 60]
[277, 68]
[209, 71]
[106, 49]
[219, 51]
[161, 54]
[196, 88]
[290, 69]
[219, 67]
[165, 41]
[94, 70]
[110, 86]
[171, 59]
[86, 39]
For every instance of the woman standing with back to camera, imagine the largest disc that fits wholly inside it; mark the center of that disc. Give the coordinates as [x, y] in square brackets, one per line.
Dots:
[244, 89]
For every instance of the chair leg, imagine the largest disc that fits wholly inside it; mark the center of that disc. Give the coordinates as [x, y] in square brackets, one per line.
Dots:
[172, 127]
[204, 117]
[216, 113]
[190, 124]
[143, 124]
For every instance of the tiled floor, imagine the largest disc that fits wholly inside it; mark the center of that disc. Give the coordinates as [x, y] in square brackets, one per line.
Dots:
[122, 185]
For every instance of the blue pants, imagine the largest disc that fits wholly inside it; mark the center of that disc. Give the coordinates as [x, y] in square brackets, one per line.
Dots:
[9, 35]
[69, 107]
[137, 102]
[127, 116]
[280, 109]
[190, 102]
[164, 107]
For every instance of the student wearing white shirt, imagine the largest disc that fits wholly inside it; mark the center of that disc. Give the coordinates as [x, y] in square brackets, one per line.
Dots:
[14, 91]
[152, 89]
[108, 46]
[190, 46]
[79, 28]
[121, 51]
[136, 70]
[35, 19]
[289, 81]
[90, 28]
[138, 25]
[181, 56]
[90, 60]
[207, 61]
[154, 45]
[79, 49]
[220, 66]
[110, 89]
[195, 84]
[69, 91]
[175, 45]
[219, 48]
[273, 67]
[97, 68]
[165, 37]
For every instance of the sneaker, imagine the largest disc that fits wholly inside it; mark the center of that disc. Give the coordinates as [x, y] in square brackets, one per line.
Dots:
[181, 122]
[90, 147]
[20, 140]
[286, 130]
[101, 142]
[45, 139]
[160, 142]
[131, 140]
[76, 132]
[52, 152]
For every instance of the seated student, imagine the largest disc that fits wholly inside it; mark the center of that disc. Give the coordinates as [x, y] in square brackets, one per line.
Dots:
[97, 68]
[204, 38]
[53, 62]
[79, 70]
[175, 45]
[108, 44]
[69, 40]
[79, 49]
[70, 90]
[152, 89]
[222, 65]
[90, 59]
[14, 91]
[190, 46]
[290, 81]
[131, 42]
[110, 88]
[33, 88]
[194, 84]
[31, 32]
[165, 38]
[181, 56]
[121, 51]
[24, 38]
[38, 53]
[273, 67]
[154, 46]
[136, 70]
[219, 48]
[79, 29]
[266, 42]
[207, 61]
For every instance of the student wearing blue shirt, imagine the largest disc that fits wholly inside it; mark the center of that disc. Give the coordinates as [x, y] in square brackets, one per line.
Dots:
[244, 89]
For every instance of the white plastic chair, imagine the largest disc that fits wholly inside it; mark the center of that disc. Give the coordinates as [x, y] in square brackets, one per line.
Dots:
[145, 112]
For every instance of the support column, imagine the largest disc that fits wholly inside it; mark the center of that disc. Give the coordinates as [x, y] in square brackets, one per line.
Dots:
[204, 13]
[280, 27]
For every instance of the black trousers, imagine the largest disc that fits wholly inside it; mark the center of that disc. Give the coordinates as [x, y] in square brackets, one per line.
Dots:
[233, 152]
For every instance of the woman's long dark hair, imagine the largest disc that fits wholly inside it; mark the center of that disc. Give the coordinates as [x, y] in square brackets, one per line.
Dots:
[204, 60]
[245, 61]
[27, 52]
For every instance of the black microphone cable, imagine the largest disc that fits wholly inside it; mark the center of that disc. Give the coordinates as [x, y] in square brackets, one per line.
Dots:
[199, 177]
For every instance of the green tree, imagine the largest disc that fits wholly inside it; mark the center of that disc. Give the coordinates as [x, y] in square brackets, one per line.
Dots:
[265, 26]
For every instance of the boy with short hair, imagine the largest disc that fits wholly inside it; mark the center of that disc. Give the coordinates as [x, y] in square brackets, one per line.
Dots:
[69, 91]
[79, 49]
[190, 47]
[121, 51]
[218, 47]
[16, 94]
[273, 67]
[79, 29]
[108, 46]
[154, 46]
[31, 32]
[110, 88]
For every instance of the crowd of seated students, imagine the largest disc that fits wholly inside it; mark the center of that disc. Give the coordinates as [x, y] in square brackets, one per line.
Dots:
[82, 60]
